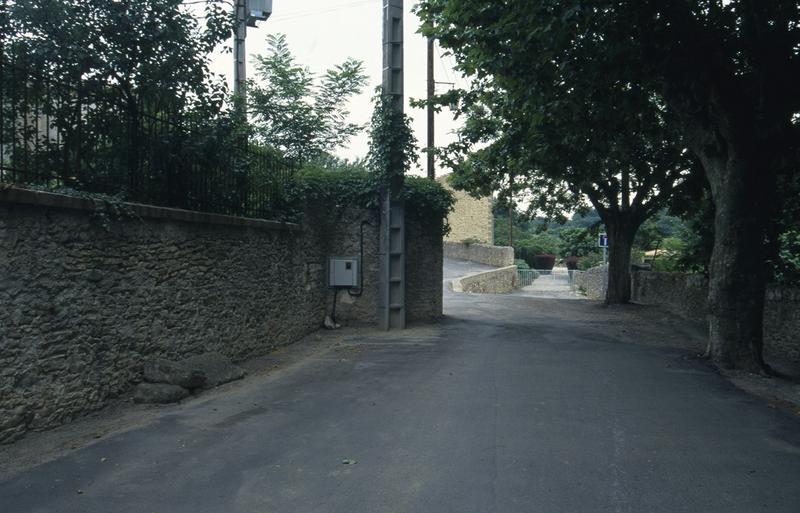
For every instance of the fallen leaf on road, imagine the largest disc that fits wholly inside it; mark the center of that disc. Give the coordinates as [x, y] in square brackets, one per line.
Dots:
[349, 462]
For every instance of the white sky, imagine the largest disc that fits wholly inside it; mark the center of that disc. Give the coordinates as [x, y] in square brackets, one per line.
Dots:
[322, 33]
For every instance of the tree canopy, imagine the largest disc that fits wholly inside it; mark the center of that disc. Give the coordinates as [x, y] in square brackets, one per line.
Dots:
[551, 128]
[155, 49]
[302, 115]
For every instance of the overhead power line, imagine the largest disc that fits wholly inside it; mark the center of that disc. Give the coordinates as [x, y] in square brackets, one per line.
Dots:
[329, 9]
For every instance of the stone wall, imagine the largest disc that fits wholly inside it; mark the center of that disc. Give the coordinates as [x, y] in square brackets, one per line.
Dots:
[496, 256]
[496, 281]
[686, 295]
[471, 217]
[424, 270]
[85, 299]
[782, 323]
[683, 294]
[592, 282]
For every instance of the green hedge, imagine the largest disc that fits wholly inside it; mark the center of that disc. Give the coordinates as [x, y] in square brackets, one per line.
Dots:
[426, 200]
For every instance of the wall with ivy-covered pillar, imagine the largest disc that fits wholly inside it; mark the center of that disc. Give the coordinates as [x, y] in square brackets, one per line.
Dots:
[90, 293]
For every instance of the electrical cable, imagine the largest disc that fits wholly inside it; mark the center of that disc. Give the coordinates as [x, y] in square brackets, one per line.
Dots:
[361, 260]
[444, 66]
[333, 8]
[333, 313]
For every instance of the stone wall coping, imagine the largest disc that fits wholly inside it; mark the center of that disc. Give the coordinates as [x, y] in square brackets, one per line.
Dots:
[487, 254]
[54, 200]
[774, 292]
[457, 285]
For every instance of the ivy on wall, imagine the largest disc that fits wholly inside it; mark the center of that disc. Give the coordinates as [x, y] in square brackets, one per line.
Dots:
[392, 145]
[392, 152]
[425, 199]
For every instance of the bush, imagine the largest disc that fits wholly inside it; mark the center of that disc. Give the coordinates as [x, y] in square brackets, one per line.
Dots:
[545, 262]
[576, 242]
[589, 261]
[426, 200]
[542, 244]
[786, 270]
[521, 264]
[571, 262]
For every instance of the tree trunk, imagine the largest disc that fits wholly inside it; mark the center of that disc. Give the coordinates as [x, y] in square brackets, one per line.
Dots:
[621, 232]
[737, 272]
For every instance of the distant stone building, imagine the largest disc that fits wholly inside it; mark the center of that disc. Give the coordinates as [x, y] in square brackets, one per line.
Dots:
[471, 218]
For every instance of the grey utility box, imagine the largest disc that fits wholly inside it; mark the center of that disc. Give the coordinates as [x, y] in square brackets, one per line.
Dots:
[259, 9]
[343, 272]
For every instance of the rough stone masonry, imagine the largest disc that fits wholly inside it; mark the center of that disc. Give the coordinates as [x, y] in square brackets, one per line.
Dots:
[85, 301]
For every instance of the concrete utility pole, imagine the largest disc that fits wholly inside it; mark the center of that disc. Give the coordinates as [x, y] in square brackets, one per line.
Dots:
[392, 241]
[431, 93]
[239, 51]
[248, 12]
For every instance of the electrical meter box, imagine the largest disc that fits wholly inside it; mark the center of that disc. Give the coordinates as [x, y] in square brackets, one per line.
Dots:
[343, 272]
[259, 9]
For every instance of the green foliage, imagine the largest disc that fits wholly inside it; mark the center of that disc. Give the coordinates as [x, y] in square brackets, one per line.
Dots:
[540, 244]
[590, 260]
[697, 235]
[293, 111]
[648, 236]
[521, 264]
[426, 200]
[787, 267]
[576, 242]
[315, 185]
[536, 121]
[470, 241]
[670, 255]
[392, 145]
[785, 260]
[149, 49]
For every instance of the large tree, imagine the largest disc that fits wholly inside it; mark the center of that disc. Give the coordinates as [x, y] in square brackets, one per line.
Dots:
[728, 71]
[562, 137]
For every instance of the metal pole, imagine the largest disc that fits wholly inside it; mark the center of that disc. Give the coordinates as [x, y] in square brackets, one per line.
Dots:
[239, 51]
[431, 93]
[510, 209]
[392, 241]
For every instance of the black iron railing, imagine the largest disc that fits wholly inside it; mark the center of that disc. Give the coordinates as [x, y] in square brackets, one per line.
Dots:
[95, 138]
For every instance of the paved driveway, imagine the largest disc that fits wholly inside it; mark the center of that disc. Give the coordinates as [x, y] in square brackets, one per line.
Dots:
[511, 404]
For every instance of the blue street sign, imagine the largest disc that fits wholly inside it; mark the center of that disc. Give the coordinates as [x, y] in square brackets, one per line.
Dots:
[602, 241]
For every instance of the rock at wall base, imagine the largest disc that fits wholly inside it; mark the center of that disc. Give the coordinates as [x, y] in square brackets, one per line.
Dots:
[158, 393]
[217, 368]
[173, 373]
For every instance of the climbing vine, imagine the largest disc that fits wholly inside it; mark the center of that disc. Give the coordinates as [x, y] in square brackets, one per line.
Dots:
[392, 152]
[426, 201]
[392, 145]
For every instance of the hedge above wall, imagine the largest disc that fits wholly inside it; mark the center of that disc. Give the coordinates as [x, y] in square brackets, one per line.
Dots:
[426, 200]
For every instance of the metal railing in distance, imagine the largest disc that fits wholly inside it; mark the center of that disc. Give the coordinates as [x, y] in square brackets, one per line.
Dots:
[526, 277]
[89, 137]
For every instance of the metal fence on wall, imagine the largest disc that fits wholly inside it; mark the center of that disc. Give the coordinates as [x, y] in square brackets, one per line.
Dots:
[88, 138]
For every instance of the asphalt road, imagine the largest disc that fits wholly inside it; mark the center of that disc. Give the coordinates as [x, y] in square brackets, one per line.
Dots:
[510, 405]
